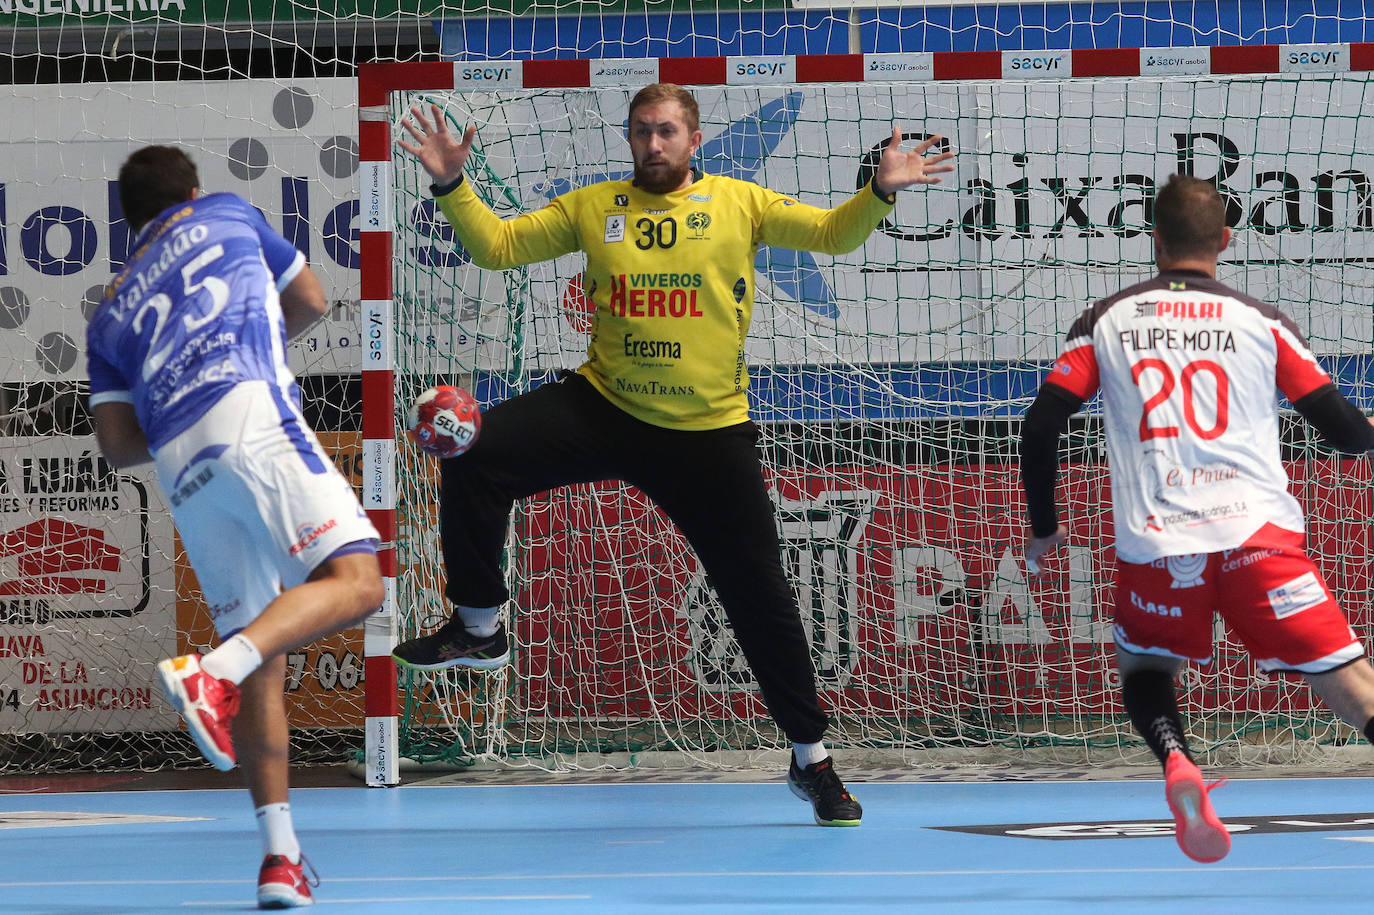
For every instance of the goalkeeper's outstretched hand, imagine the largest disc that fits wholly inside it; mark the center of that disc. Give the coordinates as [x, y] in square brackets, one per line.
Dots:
[898, 169]
[440, 154]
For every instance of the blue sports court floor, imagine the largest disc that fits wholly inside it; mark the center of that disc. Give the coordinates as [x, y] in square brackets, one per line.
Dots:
[439, 845]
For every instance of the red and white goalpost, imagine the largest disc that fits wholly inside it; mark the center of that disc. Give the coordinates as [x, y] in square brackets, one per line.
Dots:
[888, 385]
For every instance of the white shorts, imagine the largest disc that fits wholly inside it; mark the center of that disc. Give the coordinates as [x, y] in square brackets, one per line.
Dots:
[257, 501]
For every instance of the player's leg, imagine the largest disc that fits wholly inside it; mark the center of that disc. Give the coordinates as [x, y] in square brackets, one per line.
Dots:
[552, 436]
[339, 594]
[261, 737]
[1349, 692]
[1163, 616]
[258, 502]
[1283, 612]
[711, 485]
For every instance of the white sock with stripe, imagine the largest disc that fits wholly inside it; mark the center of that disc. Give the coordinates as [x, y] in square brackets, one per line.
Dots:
[232, 661]
[277, 832]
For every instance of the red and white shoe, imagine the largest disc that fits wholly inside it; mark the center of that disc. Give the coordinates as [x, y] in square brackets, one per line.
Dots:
[1201, 835]
[283, 885]
[208, 705]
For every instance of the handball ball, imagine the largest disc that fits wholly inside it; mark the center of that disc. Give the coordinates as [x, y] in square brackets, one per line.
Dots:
[444, 421]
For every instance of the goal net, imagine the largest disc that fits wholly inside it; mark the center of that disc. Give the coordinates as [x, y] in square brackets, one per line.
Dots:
[888, 385]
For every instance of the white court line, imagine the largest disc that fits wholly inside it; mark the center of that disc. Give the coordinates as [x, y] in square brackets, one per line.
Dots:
[238, 903]
[636, 842]
[671, 875]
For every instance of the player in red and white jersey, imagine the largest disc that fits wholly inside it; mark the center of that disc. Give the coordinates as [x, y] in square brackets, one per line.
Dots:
[1204, 521]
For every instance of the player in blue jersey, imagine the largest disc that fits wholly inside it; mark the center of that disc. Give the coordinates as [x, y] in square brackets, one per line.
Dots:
[187, 358]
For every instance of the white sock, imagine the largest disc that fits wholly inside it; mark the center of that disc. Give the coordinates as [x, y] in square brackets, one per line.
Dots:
[480, 620]
[278, 835]
[808, 754]
[232, 661]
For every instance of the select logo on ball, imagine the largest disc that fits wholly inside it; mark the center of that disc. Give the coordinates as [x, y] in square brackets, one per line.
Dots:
[444, 421]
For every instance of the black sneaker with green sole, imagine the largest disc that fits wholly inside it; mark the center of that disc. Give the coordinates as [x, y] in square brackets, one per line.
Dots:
[831, 801]
[452, 645]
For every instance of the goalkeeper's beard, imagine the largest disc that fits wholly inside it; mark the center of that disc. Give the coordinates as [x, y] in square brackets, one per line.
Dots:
[664, 181]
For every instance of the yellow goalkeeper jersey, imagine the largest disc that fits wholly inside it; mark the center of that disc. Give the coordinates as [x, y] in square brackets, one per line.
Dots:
[671, 276]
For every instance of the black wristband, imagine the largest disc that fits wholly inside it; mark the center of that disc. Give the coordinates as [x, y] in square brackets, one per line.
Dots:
[885, 198]
[443, 190]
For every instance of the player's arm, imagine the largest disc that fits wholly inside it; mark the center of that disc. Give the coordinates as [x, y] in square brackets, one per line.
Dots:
[119, 435]
[1072, 381]
[494, 243]
[1044, 423]
[785, 223]
[1312, 393]
[117, 430]
[1339, 422]
[788, 224]
[301, 295]
[499, 244]
[302, 302]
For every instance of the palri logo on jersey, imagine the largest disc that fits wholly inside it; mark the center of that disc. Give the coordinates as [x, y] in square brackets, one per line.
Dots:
[820, 543]
[698, 222]
[739, 151]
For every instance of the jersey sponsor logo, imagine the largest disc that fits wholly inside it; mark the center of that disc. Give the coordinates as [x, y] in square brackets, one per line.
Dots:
[654, 388]
[700, 198]
[639, 348]
[1186, 308]
[615, 229]
[622, 200]
[1247, 557]
[1154, 338]
[209, 374]
[1186, 570]
[218, 610]
[1302, 593]
[192, 486]
[307, 535]
[1188, 477]
[1149, 606]
[655, 295]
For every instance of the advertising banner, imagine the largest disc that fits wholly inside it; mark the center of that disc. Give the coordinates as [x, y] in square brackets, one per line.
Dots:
[911, 590]
[86, 584]
[289, 149]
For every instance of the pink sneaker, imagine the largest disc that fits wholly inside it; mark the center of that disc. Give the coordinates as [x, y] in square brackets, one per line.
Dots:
[1201, 835]
[208, 706]
[283, 885]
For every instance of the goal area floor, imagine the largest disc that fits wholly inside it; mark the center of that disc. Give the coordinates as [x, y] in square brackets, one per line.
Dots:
[113, 844]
